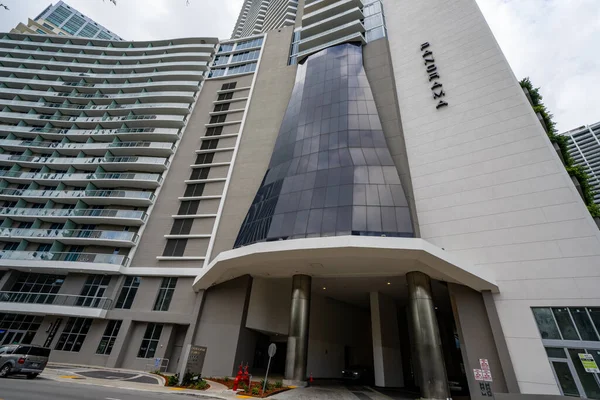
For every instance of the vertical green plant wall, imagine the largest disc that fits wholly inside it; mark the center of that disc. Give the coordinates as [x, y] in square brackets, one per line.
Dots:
[574, 170]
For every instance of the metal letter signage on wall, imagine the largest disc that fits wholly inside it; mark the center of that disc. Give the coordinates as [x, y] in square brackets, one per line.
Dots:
[193, 361]
[433, 75]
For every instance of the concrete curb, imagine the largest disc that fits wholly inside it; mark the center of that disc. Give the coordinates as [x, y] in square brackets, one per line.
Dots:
[94, 367]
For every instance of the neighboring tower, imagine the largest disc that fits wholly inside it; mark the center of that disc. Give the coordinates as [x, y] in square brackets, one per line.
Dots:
[62, 19]
[258, 16]
[584, 148]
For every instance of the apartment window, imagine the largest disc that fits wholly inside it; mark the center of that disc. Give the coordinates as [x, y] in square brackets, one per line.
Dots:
[221, 60]
[225, 96]
[150, 341]
[205, 158]
[209, 144]
[249, 43]
[226, 47]
[188, 207]
[194, 190]
[222, 107]
[43, 248]
[200, 173]
[242, 69]
[41, 32]
[36, 288]
[165, 294]
[128, 292]
[18, 328]
[246, 56]
[182, 226]
[214, 131]
[217, 119]
[108, 338]
[216, 72]
[11, 246]
[93, 291]
[74, 334]
[175, 247]
[229, 86]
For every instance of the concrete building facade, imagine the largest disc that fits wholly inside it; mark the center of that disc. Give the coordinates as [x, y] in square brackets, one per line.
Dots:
[366, 186]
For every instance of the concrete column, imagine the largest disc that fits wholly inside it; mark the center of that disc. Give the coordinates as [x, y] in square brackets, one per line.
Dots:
[297, 345]
[387, 356]
[121, 344]
[5, 279]
[428, 346]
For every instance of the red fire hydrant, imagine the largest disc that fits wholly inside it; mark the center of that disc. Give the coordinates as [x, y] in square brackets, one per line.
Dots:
[246, 377]
[238, 378]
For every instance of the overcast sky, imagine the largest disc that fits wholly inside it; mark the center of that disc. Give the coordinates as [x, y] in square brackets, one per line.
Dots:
[554, 42]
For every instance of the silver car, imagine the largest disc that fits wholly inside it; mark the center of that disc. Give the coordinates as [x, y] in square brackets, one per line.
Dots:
[23, 359]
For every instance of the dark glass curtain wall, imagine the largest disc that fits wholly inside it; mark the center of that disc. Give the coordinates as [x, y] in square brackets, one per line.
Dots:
[331, 173]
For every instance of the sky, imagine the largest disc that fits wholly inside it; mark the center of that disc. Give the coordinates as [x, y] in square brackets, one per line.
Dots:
[554, 42]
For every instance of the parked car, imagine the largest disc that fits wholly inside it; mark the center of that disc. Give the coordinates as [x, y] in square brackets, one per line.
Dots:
[358, 374]
[25, 359]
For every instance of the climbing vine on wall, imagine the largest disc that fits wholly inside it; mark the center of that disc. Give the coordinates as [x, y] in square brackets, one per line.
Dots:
[576, 171]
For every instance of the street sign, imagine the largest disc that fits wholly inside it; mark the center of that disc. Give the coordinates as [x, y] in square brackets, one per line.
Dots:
[589, 363]
[272, 350]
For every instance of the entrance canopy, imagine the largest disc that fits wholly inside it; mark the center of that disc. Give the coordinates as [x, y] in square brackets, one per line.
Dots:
[344, 256]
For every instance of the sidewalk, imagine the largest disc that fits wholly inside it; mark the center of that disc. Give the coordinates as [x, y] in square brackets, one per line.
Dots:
[127, 379]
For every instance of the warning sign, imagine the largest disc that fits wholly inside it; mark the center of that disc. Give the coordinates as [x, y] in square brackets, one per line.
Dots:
[589, 363]
[478, 374]
[484, 363]
[487, 376]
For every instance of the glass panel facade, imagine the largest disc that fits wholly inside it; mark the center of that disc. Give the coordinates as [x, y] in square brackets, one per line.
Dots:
[331, 172]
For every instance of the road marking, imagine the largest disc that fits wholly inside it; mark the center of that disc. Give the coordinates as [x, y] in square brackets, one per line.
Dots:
[176, 388]
[70, 377]
[240, 396]
[108, 398]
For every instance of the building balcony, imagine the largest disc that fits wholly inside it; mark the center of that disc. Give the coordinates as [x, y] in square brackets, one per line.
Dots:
[97, 110]
[68, 261]
[159, 134]
[80, 216]
[44, 85]
[331, 35]
[138, 148]
[200, 47]
[71, 236]
[134, 121]
[319, 10]
[101, 180]
[55, 304]
[47, 74]
[324, 25]
[145, 164]
[124, 60]
[84, 67]
[100, 98]
[90, 197]
[354, 38]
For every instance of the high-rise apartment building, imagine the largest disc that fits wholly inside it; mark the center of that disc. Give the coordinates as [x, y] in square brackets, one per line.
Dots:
[366, 185]
[264, 15]
[62, 19]
[584, 148]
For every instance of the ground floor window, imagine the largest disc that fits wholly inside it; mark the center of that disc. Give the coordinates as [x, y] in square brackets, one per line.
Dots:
[150, 341]
[572, 341]
[74, 334]
[18, 328]
[109, 337]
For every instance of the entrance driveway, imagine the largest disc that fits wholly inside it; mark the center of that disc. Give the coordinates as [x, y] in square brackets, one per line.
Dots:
[335, 390]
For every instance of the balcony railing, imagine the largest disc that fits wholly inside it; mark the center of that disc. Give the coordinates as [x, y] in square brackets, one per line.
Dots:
[77, 193]
[81, 176]
[70, 213]
[85, 160]
[68, 233]
[96, 258]
[68, 300]
[86, 146]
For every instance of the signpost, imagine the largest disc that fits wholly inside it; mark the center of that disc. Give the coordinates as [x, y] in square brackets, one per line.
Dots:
[272, 351]
[589, 363]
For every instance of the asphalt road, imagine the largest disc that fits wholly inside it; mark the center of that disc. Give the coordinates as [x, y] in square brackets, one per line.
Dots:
[15, 388]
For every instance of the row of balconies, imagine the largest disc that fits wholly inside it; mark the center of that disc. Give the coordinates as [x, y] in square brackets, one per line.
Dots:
[71, 236]
[116, 78]
[147, 164]
[84, 67]
[92, 197]
[49, 299]
[78, 215]
[162, 121]
[100, 180]
[84, 86]
[186, 97]
[95, 110]
[160, 134]
[124, 60]
[95, 148]
[192, 47]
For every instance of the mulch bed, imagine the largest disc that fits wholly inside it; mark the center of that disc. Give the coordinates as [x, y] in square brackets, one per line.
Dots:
[268, 392]
[182, 387]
